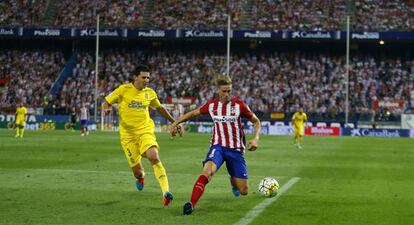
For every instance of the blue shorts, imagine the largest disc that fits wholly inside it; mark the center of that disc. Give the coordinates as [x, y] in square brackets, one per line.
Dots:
[84, 122]
[235, 163]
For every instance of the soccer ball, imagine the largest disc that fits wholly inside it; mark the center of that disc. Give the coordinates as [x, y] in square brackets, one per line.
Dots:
[268, 187]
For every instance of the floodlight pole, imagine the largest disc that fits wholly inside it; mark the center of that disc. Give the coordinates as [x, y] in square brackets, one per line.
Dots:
[96, 68]
[228, 44]
[347, 72]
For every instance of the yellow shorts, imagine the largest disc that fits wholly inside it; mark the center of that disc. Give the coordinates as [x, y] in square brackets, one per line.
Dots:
[20, 123]
[135, 145]
[298, 130]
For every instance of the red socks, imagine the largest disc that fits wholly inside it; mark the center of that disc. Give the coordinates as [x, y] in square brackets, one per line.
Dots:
[198, 189]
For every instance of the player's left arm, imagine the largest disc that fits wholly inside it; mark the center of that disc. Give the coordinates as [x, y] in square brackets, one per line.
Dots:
[164, 113]
[305, 119]
[247, 112]
[254, 142]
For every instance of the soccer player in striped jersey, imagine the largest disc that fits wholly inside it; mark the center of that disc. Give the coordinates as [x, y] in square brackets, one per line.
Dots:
[84, 117]
[227, 143]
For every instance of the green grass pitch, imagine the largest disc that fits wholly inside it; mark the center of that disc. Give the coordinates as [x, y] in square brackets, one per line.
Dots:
[59, 177]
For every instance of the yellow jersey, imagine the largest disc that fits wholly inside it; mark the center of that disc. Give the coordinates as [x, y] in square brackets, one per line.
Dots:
[299, 118]
[133, 107]
[21, 114]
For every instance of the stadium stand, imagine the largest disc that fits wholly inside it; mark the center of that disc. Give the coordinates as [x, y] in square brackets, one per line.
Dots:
[298, 15]
[30, 75]
[207, 14]
[269, 82]
[81, 14]
[319, 15]
[21, 12]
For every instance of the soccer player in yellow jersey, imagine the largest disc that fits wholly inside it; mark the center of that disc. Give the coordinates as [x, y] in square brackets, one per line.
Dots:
[298, 119]
[136, 128]
[20, 121]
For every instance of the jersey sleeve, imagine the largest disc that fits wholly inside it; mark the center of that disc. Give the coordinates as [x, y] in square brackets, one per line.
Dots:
[294, 117]
[114, 96]
[245, 110]
[204, 108]
[155, 102]
[305, 118]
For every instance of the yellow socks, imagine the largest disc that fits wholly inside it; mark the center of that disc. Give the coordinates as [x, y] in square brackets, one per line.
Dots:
[161, 176]
[21, 132]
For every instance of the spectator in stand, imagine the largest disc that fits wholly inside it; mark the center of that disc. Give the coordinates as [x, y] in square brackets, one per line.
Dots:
[31, 75]
[196, 14]
[22, 12]
[115, 14]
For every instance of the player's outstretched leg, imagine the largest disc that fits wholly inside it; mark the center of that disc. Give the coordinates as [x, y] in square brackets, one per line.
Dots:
[168, 197]
[234, 189]
[188, 208]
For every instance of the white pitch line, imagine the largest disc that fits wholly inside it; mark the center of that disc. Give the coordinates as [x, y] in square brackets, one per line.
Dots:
[252, 214]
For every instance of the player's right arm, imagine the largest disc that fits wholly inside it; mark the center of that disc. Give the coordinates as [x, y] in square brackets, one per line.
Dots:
[187, 116]
[15, 115]
[106, 107]
[111, 99]
[196, 112]
[294, 119]
[183, 118]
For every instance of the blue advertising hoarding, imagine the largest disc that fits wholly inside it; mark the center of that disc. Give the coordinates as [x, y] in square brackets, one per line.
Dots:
[135, 33]
[367, 132]
[46, 32]
[202, 34]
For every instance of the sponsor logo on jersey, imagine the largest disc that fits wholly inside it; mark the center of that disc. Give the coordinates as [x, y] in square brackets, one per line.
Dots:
[224, 119]
[136, 105]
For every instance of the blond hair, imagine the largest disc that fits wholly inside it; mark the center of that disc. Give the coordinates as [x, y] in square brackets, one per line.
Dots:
[223, 80]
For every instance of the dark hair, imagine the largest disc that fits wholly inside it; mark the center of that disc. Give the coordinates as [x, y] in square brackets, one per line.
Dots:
[140, 68]
[223, 80]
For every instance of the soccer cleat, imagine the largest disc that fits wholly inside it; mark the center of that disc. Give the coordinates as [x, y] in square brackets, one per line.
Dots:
[139, 183]
[167, 198]
[188, 208]
[299, 146]
[17, 136]
[235, 191]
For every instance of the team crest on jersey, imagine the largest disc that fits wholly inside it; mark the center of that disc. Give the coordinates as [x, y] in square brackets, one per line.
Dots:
[146, 95]
[232, 111]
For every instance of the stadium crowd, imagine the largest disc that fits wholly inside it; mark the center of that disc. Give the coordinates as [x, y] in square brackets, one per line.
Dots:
[319, 15]
[29, 75]
[190, 14]
[308, 15]
[22, 12]
[268, 82]
[82, 13]
[384, 15]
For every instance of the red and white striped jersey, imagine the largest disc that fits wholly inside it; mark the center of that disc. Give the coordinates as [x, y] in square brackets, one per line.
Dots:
[228, 128]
